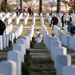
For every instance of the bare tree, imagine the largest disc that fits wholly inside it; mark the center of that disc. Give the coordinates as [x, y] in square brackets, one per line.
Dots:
[52, 4]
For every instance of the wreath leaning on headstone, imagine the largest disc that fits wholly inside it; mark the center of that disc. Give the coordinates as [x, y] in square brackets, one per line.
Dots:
[72, 30]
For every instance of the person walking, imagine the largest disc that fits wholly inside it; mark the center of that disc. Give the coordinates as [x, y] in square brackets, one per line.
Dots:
[30, 10]
[63, 21]
[69, 27]
[17, 10]
[37, 32]
[54, 21]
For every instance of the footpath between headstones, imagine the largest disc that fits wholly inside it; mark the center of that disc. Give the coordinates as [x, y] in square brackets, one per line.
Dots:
[41, 61]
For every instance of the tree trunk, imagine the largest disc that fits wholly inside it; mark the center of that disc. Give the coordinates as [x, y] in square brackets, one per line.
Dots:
[21, 6]
[74, 5]
[58, 6]
[5, 4]
[40, 6]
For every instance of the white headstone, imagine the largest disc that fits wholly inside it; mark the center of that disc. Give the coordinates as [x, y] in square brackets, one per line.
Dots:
[72, 42]
[64, 39]
[12, 37]
[22, 41]
[4, 41]
[23, 37]
[60, 34]
[61, 61]
[46, 41]
[69, 70]
[7, 39]
[19, 47]
[8, 67]
[15, 56]
[1, 43]
[54, 44]
[58, 51]
[27, 42]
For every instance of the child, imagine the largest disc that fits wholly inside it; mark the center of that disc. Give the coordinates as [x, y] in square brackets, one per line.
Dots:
[37, 32]
[53, 35]
[38, 39]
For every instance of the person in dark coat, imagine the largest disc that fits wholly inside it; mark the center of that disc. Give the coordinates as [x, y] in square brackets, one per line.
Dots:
[30, 10]
[2, 27]
[17, 11]
[70, 20]
[54, 21]
[62, 21]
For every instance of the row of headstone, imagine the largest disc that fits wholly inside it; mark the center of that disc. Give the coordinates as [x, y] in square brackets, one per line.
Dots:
[9, 20]
[66, 40]
[8, 16]
[33, 19]
[65, 28]
[26, 19]
[62, 61]
[31, 32]
[67, 17]
[5, 16]
[18, 19]
[18, 31]
[54, 46]
[13, 15]
[48, 40]
[12, 66]
[5, 39]
[48, 18]
[60, 24]
[41, 19]
[44, 30]
[59, 15]
[8, 29]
